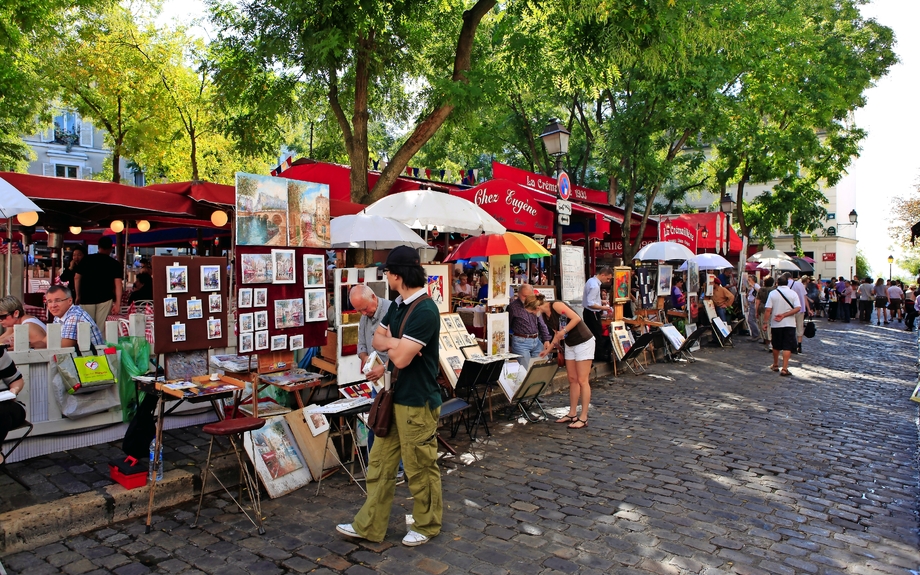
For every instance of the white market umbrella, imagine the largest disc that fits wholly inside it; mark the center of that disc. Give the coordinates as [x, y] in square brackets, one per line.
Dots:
[778, 264]
[665, 251]
[372, 233]
[12, 203]
[708, 262]
[769, 254]
[428, 209]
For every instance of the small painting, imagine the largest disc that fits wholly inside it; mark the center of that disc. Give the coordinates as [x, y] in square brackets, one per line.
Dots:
[260, 297]
[314, 271]
[316, 304]
[439, 286]
[245, 299]
[261, 340]
[279, 342]
[214, 329]
[210, 278]
[499, 280]
[621, 283]
[176, 279]
[693, 278]
[664, 280]
[497, 332]
[215, 303]
[276, 457]
[170, 307]
[246, 324]
[195, 311]
[693, 308]
[317, 423]
[296, 342]
[261, 319]
[289, 313]
[710, 284]
[178, 332]
[283, 266]
[246, 343]
[257, 268]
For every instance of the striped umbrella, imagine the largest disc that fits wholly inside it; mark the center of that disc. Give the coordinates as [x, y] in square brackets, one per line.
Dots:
[479, 248]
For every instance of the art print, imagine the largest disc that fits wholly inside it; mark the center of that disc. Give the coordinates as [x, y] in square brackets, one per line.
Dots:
[261, 319]
[693, 278]
[710, 309]
[214, 329]
[170, 307]
[259, 297]
[451, 363]
[194, 309]
[621, 284]
[261, 210]
[308, 208]
[438, 282]
[459, 340]
[691, 327]
[458, 321]
[497, 333]
[215, 303]
[472, 351]
[446, 324]
[499, 292]
[276, 457]
[283, 266]
[664, 280]
[289, 313]
[257, 268]
[296, 342]
[210, 278]
[446, 342]
[246, 324]
[710, 283]
[693, 308]
[261, 340]
[176, 279]
[178, 332]
[314, 271]
[246, 343]
[316, 304]
[278, 342]
[185, 365]
[245, 299]
[673, 337]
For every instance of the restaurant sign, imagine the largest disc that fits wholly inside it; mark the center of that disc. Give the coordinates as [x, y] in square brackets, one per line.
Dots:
[615, 248]
[679, 232]
[546, 184]
[513, 206]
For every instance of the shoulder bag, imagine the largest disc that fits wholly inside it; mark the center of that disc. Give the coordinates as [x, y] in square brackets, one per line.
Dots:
[381, 413]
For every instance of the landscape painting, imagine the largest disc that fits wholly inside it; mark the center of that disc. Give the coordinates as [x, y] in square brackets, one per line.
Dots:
[308, 214]
[288, 313]
[257, 268]
[261, 210]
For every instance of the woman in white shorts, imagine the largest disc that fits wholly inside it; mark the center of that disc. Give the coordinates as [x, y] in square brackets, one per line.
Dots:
[569, 333]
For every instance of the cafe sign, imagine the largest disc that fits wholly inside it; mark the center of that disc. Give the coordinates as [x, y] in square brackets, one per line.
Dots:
[679, 232]
[512, 205]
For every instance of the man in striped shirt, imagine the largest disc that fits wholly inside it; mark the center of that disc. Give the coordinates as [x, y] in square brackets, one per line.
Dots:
[60, 304]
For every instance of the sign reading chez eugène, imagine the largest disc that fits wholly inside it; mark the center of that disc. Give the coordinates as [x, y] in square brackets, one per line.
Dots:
[512, 205]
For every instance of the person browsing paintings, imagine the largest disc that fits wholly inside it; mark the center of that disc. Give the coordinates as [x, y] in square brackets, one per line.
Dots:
[372, 310]
[529, 336]
[781, 307]
[572, 335]
[416, 407]
[60, 305]
[12, 413]
[13, 314]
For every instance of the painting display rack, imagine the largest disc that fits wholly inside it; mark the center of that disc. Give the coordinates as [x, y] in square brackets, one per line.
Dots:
[527, 396]
[631, 357]
[476, 380]
[342, 421]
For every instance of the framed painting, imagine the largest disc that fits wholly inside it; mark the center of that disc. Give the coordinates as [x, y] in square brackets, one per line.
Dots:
[246, 325]
[315, 301]
[245, 299]
[178, 332]
[283, 267]
[257, 268]
[279, 343]
[693, 278]
[261, 319]
[215, 303]
[247, 343]
[296, 342]
[622, 277]
[438, 277]
[289, 313]
[261, 210]
[499, 292]
[710, 309]
[451, 362]
[664, 280]
[261, 340]
[170, 307]
[276, 457]
[210, 278]
[176, 279]
[471, 351]
[214, 329]
[497, 333]
[317, 423]
[259, 297]
[194, 309]
[314, 271]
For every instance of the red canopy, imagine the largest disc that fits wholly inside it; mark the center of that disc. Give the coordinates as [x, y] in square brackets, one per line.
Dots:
[201, 191]
[713, 232]
[512, 205]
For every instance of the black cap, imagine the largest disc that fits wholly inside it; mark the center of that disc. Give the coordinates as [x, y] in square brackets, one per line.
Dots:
[403, 256]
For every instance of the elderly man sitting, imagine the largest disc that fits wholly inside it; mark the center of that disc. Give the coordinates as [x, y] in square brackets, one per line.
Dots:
[60, 304]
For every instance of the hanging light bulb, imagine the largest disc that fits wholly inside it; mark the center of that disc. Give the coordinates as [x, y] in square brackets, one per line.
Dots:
[27, 218]
[117, 226]
[143, 225]
[219, 218]
[75, 230]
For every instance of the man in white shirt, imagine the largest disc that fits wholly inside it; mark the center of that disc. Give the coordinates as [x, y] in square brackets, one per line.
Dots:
[799, 289]
[865, 300]
[782, 306]
[594, 308]
[895, 296]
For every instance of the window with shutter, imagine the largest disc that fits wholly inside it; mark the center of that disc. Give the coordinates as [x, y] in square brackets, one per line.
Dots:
[86, 134]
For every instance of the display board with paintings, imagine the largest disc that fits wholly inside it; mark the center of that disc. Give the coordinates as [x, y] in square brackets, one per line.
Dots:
[189, 294]
[645, 281]
[453, 339]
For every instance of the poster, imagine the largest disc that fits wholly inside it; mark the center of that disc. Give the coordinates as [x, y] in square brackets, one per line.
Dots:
[497, 333]
[438, 279]
[664, 280]
[621, 283]
[499, 292]
[693, 278]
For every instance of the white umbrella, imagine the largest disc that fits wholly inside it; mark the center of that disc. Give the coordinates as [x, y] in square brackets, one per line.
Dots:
[372, 233]
[665, 251]
[778, 264]
[12, 203]
[708, 262]
[767, 254]
[428, 209]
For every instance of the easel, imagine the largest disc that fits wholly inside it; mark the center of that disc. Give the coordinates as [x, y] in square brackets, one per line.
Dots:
[684, 350]
[644, 321]
[723, 339]
[539, 375]
[471, 377]
[631, 357]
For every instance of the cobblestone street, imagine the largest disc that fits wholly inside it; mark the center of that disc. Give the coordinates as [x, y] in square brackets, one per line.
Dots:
[720, 466]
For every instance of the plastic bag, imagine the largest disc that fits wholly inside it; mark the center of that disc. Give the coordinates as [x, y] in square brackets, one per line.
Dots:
[135, 361]
[77, 406]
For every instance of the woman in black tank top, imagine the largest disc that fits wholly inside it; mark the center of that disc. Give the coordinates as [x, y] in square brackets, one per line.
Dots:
[571, 336]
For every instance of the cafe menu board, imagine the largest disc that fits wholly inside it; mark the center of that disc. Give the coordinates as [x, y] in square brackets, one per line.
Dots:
[573, 273]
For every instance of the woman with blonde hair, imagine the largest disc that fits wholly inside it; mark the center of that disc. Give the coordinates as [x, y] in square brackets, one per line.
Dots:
[12, 314]
[571, 335]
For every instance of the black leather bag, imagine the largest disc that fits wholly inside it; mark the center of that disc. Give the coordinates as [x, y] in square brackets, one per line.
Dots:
[810, 329]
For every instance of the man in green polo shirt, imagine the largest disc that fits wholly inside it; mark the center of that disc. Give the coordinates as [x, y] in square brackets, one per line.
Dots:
[416, 407]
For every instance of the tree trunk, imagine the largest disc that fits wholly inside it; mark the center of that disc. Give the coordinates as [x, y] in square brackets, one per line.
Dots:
[193, 139]
[358, 154]
[119, 142]
[430, 125]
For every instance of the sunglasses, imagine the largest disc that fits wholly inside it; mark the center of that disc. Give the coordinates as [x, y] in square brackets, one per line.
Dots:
[3, 316]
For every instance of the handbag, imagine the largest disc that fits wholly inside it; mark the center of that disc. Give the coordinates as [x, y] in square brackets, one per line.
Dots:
[381, 414]
[89, 372]
[810, 329]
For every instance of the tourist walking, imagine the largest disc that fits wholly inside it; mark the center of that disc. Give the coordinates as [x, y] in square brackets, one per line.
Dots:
[752, 314]
[895, 296]
[865, 300]
[782, 307]
[762, 295]
[881, 302]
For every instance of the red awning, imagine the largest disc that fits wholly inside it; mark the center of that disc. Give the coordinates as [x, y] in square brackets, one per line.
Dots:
[713, 234]
[512, 205]
[201, 191]
[340, 208]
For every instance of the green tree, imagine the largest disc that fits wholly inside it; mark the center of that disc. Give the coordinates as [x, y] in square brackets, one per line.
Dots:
[863, 269]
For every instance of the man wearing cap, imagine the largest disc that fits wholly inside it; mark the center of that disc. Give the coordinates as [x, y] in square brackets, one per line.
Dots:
[97, 283]
[416, 408]
[529, 336]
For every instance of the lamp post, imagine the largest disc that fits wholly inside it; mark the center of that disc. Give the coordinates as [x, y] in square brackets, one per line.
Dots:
[727, 206]
[556, 141]
[890, 261]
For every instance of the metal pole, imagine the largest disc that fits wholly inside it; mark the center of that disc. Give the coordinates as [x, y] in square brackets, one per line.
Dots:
[9, 255]
[558, 236]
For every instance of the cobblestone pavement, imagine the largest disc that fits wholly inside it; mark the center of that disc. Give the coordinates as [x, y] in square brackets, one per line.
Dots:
[720, 466]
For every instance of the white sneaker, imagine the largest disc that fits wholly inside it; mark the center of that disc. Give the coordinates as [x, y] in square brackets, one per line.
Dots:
[347, 529]
[413, 538]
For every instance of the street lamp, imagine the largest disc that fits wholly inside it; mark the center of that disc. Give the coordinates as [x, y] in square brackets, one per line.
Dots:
[853, 219]
[890, 261]
[727, 205]
[556, 141]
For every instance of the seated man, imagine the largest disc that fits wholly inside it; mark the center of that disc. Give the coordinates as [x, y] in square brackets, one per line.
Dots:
[143, 288]
[61, 306]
